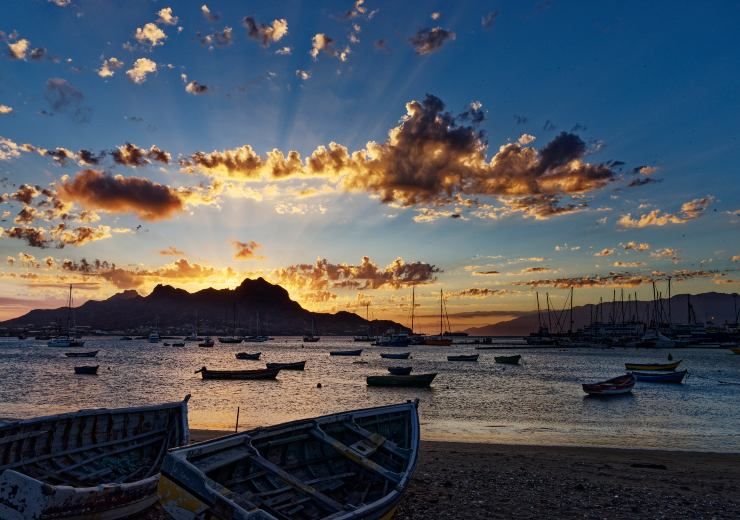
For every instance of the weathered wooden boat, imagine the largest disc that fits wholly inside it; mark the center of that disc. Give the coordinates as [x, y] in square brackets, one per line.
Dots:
[297, 365]
[98, 464]
[419, 380]
[401, 355]
[508, 360]
[661, 377]
[357, 352]
[615, 386]
[247, 355]
[82, 354]
[261, 373]
[653, 366]
[463, 357]
[400, 371]
[89, 370]
[347, 466]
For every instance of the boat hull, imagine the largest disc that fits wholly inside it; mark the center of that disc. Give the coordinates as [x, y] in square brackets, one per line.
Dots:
[473, 357]
[661, 377]
[299, 365]
[247, 355]
[403, 355]
[653, 367]
[616, 386]
[438, 342]
[90, 371]
[400, 371]
[346, 352]
[239, 374]
[416, 381]
[507, 360]
[81, 354]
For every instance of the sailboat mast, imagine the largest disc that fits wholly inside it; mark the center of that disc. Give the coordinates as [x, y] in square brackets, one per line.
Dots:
[413, 307]
[440, 314]
[69, 310]
[670, 317]
[539, 318]
[570, 330]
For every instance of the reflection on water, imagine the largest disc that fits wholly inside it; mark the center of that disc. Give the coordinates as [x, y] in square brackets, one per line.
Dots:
[539, 402]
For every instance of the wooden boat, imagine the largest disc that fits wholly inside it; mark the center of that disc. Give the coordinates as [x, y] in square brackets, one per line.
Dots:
[206, 343]
[661, 377]
[229, 340]
[82, 354]
[508, 360]
[400, 371]
[347, 466]
[261, 373]
[311, 339]
[297, 365]
[401, 355]
[419, 380]
[654, 367]
[248, 355]
[357, 352]
[463, 357]
[178, 344]
[615, 386]
[101, 463]
[87, 370]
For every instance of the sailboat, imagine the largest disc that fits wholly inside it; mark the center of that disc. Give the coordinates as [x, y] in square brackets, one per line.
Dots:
[234, 338]
[67, 340]
[259, 337]
[154, 335]
[439, 341]
[367, 337]
[194, 335]
[310, 338]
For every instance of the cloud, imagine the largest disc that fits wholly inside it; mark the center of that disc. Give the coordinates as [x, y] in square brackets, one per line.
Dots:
[284, 51]
[525, 139]
[604, 252]
[426, 41]
[171, 251]
[266, 33]
[642, 182]
[302, 74]
[735, 258]
[636, 246]
[645, 170]
[131, 155]
[207, 14]
[118, 194]
[536, 269]
[166, 16]
[245, 250]
[19, 49]
[487, 21]
[5, 109]
[218, 39]
[435, 15]
[63, 97]
[485, 273]
[665, 252]
[109, 67]
[61, 3]
[690, 210]
[34, 237]
[321, 43]
[150, 34]
[195, 88]
[476, 292]
[619, 263]
[141, 68]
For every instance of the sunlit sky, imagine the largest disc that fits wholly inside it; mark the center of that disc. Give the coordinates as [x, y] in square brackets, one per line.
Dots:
[350, 151]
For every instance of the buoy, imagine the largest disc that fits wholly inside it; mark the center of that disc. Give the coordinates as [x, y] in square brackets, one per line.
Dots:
[318, 385]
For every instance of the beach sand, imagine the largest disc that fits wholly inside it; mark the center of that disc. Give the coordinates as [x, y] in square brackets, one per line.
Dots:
[479, 481]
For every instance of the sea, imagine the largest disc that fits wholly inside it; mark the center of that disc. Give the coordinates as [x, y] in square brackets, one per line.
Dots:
[539, 402]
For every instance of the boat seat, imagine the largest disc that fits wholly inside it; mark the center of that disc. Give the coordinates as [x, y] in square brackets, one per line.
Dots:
[386, 444]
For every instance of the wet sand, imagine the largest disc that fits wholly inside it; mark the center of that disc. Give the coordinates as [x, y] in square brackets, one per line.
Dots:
[480, 481]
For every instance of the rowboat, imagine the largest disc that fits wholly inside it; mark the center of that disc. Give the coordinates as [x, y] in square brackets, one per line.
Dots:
[297, 365]
[178, 344]
[463, 357]
[654, 366]
[660, 377]
[347, 466]
[402, 355]
[101, 463]
[615, 386]
[206, 343]
[311, 339]
[87, 370]
[419, 380]
[400, 371]
[247, 355]
[357, 352]
[508, 360]
[261, 373]
[82, 354]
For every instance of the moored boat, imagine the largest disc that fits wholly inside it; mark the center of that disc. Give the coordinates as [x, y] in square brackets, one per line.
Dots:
[615, 386]
[400, 355]
[206, 343]
[178, 344]
[661, 377]
[418, 380]
[463, 357]
[437, 342]
[89, 370]
[347, 466]
[262, 373]
[229, 339]
[106, 465]
[297, 365]
[653, 366]
[81, 354]
[60, 341]
[508, 360]
[248, 355]
[357, 352]
[400, 371]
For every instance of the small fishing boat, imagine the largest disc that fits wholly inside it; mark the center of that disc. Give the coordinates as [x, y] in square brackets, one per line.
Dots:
[102, 463]
[60, 341]
[310, 338]
[400, 355]
[262, 373]
[615, 386]
[347, 466]
[82, 354]
[90, 370]
[178, 344]
[661, 377]
[357, 352]
[400, 371]
[255, 339]
[392, 340]
[247, 355]
[126, 338]
[508, 360]
[657, 367]
[206, 343]
[297, 365]
[463, 357]
[418, 381]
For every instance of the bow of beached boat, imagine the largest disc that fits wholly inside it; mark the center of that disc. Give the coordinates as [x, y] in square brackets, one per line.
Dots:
[352, 465]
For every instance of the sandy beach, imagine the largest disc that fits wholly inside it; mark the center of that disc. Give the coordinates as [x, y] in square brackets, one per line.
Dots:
[478, 481]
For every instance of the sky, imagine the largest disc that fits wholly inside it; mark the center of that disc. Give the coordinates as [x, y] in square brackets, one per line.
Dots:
[353, 151]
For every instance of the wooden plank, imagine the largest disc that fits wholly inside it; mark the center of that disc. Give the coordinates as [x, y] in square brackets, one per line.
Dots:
[309, 482]
[22, 436]
[387, 444]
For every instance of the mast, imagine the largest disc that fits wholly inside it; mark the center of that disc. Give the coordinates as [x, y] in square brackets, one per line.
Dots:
[367, 318]
[413, 307]
[440, 314]
[549, 319]
[539, 318]
[570, 330]
[69, 311]
[670, 318]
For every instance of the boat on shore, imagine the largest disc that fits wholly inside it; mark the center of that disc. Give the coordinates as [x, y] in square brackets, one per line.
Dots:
[400, 371]
[89, 370]
[615, 386]
[508, 360]
[416, 381]
[261, 373]
[81, 354]
[392, 355]
[247, 355]
[178, 344]
[207, 342]
[656, 367]
[357, 352]
[463, 357]
[297, 365]
[676, 377]
[347, 466]
[109, 472]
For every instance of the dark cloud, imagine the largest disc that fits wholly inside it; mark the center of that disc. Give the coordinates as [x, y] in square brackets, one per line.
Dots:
[64, 98]
[25, 193]
[266, 33]
[218, 39]
[38, 53]
[487, 21]
[642, 181]
[426, 41]
[195, 88]
[245, 250]
[34, 237]
[549, 126]
[171, 251]
[476, 292]
[131, 155]
[616, 279]
[520, 120]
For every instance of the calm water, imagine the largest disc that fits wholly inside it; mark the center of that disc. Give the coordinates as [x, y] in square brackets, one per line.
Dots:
[540, 402]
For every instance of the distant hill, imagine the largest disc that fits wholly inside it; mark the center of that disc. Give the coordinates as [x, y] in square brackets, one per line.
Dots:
[256, 302]
[711, 306]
